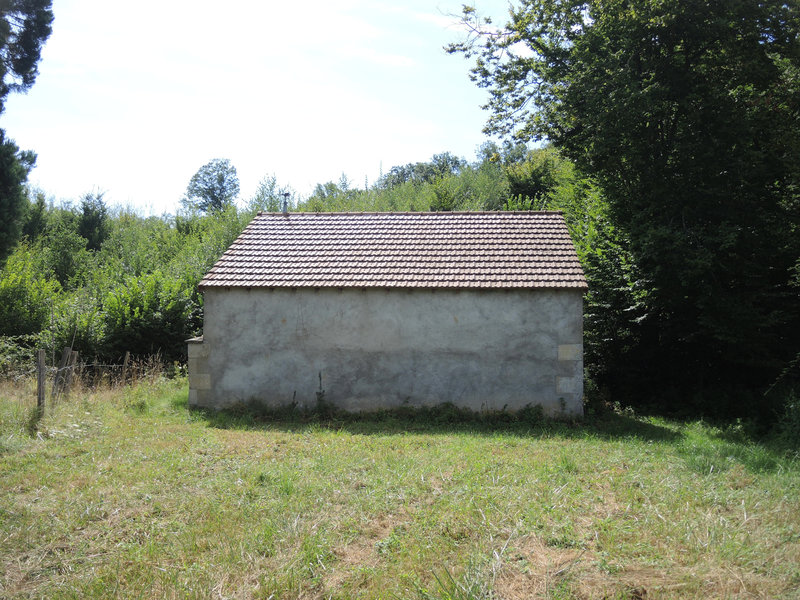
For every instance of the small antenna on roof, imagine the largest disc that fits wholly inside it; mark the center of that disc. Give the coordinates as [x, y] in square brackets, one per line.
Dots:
[285, 203]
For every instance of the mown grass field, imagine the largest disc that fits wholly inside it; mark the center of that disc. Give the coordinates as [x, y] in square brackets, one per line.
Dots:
[126, 493]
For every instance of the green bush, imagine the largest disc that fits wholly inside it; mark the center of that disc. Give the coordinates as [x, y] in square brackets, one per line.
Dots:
[17, 354]
[205, 239]
[788, 424]
[136, 244]
[26, 294]
[77, 323]
[148, 315]
[64, 250]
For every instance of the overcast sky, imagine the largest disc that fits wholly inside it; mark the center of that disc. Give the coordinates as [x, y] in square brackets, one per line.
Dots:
[132, 98]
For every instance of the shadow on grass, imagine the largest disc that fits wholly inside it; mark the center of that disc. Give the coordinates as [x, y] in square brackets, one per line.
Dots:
[704, 449]
[440, 420]
[714, 458]
[710, 450]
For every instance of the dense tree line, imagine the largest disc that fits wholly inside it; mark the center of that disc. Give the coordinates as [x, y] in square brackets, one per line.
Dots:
[107, 280]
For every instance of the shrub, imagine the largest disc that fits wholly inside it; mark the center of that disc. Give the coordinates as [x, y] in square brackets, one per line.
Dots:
[26, 296]
[17, 354]
[788, 424]
[77, 323]
[148, 315]
[66, 252]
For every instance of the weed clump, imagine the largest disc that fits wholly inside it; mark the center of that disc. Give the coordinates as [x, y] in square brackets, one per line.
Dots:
[787, 427]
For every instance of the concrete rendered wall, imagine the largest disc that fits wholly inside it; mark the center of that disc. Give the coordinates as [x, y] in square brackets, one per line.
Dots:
[383, 348]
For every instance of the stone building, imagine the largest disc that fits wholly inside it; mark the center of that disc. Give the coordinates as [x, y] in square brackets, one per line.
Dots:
[378, 310]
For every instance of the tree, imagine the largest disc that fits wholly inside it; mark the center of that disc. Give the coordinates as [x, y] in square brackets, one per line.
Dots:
[14, 168]
[533, 178]
[35, 222]
[510, 153]
[66, 251]
[25, 26]
[213, 187]
[441, 165]
[333, 196]
[687, 113]
[446, 163]
[93, 220]
[148, 315]
[269, 196]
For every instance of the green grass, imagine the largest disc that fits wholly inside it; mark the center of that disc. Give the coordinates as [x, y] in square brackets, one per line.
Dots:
[126, 493]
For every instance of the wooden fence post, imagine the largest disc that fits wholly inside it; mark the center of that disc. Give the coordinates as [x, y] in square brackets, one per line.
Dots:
[73, 360]
[41, 376]
[59, 378]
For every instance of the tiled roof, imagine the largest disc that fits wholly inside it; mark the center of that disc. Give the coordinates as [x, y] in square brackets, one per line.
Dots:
[401, 250]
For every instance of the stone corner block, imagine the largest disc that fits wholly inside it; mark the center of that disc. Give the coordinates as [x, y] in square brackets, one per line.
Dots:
[570, 352]
[198, 350]
[567, 385]
[199, 381]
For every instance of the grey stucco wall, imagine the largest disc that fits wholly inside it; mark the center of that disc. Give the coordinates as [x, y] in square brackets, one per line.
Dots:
[383, 348]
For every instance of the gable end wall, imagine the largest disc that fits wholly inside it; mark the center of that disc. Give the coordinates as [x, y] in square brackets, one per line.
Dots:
[376, 348]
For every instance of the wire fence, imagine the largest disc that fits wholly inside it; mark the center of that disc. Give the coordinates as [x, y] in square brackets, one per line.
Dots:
[55, 381]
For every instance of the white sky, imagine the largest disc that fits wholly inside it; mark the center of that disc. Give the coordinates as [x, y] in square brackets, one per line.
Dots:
[133, 98]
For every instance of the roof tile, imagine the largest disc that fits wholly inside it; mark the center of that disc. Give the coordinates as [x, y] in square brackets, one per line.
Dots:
[428, 250]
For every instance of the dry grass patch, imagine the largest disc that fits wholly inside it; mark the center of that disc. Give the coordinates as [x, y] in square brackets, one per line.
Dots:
[533, 569]
[359, 557]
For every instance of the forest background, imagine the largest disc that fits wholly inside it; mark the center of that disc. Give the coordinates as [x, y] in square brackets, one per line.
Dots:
[671, 147]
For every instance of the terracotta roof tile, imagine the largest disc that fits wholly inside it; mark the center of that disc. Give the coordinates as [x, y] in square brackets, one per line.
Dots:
[429, 250]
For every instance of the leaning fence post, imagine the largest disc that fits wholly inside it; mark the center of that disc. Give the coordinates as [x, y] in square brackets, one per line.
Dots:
[73, 360]
[59, 378]
[41, 376]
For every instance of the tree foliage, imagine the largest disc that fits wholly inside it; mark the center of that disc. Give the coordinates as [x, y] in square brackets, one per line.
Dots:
[14, 168]
[269, 196]
[64, 249]
[26, 293]
[441, 165]
[35, 219]
[136, 292]
[93, 220]
[688, 116]
[25, 26]
[333, 196]
[213, 187]
[147, 315]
